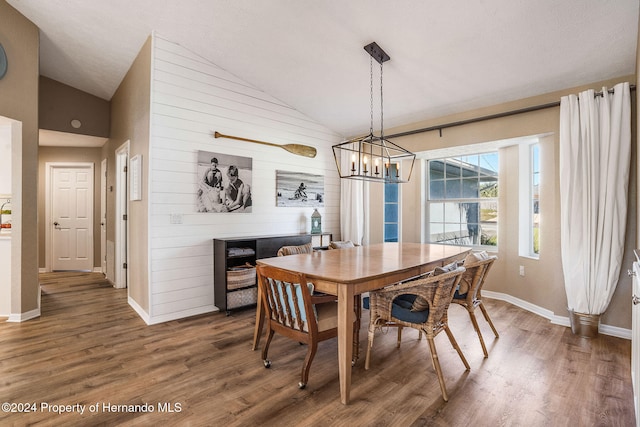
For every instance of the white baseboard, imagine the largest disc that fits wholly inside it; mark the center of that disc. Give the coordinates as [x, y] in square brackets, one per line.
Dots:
[143, 314]
[613, 331]
[95, 270]
[149, 320]
[182, 314]
[22, 317]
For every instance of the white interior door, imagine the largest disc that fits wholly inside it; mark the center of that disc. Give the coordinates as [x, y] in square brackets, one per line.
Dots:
[121, 208]
[103, 216]
[72, 217]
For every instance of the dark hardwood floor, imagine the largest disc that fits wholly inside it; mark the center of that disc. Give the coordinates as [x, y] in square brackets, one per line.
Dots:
[90, 348]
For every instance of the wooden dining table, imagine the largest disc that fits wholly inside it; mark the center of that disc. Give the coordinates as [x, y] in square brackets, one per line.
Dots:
[348, 272]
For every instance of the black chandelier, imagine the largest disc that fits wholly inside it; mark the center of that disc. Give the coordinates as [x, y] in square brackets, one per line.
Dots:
[371, 157]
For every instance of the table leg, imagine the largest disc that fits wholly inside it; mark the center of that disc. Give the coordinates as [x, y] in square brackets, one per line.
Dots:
[257, 332]
[345, 339]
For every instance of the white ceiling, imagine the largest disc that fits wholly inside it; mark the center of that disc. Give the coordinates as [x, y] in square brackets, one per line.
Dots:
[446, 56]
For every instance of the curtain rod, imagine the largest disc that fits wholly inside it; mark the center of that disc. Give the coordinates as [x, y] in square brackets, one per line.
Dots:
[489, 117]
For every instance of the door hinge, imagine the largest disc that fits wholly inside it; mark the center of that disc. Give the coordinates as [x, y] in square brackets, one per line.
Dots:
[125, 169]
[124, 217]
[124, 265]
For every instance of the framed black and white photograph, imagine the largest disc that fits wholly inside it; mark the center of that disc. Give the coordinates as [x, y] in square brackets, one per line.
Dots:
[299, 189]
[224, 183]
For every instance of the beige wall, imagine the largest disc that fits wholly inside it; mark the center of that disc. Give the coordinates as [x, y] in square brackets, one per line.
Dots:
[59, 104]
[130, 122]
[68, 154]
[638, 138]
[19, 101]
[543, 283]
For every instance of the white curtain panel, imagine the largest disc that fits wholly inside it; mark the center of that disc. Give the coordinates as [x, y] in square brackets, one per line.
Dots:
[352, 206]
[595, 151]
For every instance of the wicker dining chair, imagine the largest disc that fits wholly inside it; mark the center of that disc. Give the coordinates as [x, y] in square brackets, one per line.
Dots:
[292, 311]
[469, 293]
[420, 304]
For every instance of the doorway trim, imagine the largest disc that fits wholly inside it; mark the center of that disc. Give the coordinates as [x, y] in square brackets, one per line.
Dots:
[49, 169]
[121, 278]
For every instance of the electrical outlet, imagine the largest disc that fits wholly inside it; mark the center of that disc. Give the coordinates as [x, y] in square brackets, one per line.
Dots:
[175, 218]
[522, 270]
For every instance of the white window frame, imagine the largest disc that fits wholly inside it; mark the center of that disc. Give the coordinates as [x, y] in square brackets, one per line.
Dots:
[525, 190]
[384, 213]
[428, 201]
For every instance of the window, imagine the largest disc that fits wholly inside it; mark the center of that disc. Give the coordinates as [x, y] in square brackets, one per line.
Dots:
[391, 210]
[535, 199]
[462, 201]
[529, 200]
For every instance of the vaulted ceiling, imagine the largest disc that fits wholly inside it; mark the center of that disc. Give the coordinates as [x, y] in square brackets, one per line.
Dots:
[446, 56]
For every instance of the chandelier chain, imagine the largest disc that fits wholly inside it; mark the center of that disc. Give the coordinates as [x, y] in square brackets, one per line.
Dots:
[381, 108]
[371, 92]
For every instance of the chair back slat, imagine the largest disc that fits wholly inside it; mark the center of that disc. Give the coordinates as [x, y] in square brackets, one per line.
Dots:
[286, 300]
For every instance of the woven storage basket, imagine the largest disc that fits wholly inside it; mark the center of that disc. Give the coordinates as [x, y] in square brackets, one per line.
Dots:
[242, 297]
[241, 277]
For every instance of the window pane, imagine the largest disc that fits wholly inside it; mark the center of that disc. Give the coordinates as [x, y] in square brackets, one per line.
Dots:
[489, 223]
[390, 212]
[391, 232]
[470, 160]
[469, 165]
[437, 190]
[489, 164]
[488, 188]
[470, 188]
[436, 169]
[453, 168]
[454, 188]
[436, 231]
[470, 217]
[452, 235]
[535, 202]
[391, 193]
[452, 213]
[436, 212]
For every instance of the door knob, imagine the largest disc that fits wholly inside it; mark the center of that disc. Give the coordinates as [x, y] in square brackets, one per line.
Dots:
[55, 225]
[631, 273]
[635, 300]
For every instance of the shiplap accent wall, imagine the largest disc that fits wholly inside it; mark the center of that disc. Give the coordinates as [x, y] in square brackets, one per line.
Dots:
[190, 99]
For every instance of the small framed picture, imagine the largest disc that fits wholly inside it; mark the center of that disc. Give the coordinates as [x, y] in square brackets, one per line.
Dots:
[296, 189]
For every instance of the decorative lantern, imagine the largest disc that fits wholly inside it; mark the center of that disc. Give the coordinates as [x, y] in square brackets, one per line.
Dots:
[316, 222]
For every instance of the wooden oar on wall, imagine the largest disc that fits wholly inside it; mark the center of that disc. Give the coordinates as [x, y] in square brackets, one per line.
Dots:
[299, 149]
